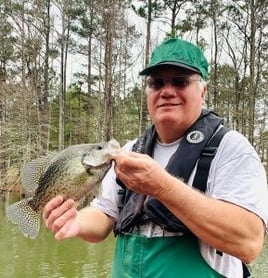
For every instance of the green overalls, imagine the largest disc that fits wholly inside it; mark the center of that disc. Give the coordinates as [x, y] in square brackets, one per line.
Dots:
[137, 256]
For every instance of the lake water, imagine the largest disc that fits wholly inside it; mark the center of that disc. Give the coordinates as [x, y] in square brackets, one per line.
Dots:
[45, 257]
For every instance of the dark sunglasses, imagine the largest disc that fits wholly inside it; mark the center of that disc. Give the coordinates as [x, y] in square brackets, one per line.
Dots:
[179, 82]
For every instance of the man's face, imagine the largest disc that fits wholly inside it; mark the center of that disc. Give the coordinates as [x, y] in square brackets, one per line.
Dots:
[174, 97]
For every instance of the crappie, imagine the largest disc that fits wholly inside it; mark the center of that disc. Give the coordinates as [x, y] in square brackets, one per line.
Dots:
[72, 173]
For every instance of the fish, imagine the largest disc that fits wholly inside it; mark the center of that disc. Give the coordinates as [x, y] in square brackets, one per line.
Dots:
[72, 173]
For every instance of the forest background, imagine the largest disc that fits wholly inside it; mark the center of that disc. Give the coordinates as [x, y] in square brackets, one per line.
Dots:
[69, 69]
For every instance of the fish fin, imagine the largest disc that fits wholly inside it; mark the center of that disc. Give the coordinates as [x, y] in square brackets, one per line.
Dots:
[32, 171]
[28, 220]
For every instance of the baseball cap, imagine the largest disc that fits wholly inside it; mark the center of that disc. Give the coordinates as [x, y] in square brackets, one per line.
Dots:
[179, 53]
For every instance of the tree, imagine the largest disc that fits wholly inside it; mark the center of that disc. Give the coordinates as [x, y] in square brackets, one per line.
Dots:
[174, 7]
[103, 99]
[150, 11]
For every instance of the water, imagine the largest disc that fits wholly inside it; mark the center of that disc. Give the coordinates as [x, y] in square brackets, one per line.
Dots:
[259, 268]
[45, 257]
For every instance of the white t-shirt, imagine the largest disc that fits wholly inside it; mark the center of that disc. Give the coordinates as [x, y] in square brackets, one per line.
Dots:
[236, 175]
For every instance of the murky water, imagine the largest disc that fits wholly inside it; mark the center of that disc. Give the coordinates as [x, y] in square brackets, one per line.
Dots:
[45, 257]
[259, 269]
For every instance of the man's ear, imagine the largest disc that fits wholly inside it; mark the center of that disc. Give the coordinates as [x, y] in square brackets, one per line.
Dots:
[204, 92]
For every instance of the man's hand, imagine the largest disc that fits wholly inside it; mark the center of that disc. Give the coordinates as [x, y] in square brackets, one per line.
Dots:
[140, 173]
[61, 218]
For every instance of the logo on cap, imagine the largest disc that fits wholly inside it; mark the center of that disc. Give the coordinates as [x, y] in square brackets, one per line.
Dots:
[195, 137]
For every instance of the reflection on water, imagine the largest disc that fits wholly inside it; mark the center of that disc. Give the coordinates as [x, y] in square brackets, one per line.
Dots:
[45, 257]
[21, 257]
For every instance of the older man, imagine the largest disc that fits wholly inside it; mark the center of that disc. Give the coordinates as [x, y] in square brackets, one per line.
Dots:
[165, 225]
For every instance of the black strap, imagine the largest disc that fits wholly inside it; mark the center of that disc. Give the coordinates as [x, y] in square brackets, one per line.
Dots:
[208, 153]
[246, 273]
[190, 150]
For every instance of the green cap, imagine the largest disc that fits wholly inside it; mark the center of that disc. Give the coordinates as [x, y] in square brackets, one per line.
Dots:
[179, 53]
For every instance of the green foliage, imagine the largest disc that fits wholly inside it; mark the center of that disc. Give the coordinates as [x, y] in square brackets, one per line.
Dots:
[7, 40]
[153, 7]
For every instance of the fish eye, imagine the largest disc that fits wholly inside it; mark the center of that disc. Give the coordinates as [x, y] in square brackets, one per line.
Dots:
[99, 147]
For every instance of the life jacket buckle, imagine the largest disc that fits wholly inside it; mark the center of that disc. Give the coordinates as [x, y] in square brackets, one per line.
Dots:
[209, 151]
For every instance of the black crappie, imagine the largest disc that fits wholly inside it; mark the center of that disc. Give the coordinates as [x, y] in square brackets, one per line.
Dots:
[72, 173]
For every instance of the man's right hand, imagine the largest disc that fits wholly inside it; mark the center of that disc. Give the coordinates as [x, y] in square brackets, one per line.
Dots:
[61, 218]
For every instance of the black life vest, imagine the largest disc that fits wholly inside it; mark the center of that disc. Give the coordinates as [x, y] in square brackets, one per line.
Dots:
[200, 141]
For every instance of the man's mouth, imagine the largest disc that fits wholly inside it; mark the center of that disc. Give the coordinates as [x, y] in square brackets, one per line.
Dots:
[167, 105]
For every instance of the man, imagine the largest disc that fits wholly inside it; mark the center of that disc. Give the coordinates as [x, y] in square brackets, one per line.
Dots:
[165, 227]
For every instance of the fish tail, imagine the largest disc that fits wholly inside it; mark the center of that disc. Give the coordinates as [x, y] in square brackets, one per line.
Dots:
[25, 217]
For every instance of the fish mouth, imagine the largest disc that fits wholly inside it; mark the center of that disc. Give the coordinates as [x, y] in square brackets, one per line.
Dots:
[105, 166]
[89, 164]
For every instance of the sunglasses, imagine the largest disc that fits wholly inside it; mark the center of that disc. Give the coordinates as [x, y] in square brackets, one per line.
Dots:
[179, 82]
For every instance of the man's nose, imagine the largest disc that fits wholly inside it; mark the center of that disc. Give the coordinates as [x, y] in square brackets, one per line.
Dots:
[168, 89]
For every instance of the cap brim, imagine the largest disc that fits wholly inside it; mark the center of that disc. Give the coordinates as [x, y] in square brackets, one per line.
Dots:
[180, 65]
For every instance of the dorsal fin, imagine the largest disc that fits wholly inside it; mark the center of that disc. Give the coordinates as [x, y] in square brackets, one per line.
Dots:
[32, 171]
